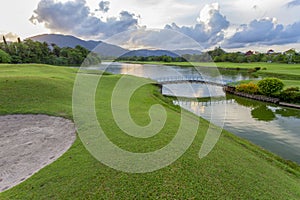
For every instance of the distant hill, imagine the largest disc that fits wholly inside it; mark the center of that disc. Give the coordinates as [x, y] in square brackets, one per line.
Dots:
[146, 53]
[187, 51]
[103, 49]
[173, 53]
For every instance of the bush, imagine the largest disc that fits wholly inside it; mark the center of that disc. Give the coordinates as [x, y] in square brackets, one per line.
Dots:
[4, 57]
[252, 70]
[292, 89]
[250, 88]
[270, 86]
[290, 95]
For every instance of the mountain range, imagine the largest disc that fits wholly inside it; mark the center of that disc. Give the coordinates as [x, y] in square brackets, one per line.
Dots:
[105, 49]
[70, 41]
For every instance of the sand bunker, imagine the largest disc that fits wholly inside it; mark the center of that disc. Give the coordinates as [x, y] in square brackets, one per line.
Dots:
[29, 143]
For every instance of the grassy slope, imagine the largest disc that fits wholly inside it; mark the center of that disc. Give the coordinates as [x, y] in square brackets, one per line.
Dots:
[235, 169]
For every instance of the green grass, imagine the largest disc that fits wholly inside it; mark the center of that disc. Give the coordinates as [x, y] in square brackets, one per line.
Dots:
[235, 169]
[289, 73]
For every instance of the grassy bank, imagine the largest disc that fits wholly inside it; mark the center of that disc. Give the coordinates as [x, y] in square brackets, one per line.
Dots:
[290, 73]
[278, 68]
[235, 169]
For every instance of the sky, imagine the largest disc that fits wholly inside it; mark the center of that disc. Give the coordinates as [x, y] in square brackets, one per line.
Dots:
[232, 24]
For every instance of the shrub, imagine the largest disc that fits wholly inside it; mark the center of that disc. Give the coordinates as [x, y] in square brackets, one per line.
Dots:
[4, 57]
[250, 88]
[291, 95]
[252, 70]
[292, 89]
[257, 68]
[270, 86]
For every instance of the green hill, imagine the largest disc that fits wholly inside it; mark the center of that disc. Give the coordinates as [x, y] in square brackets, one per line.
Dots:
[234, 169]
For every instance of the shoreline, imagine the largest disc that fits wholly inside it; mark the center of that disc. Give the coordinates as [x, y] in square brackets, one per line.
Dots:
[231, 90]
[256, 148]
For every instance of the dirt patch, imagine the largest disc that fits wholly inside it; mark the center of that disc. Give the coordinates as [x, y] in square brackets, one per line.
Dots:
[30, 142]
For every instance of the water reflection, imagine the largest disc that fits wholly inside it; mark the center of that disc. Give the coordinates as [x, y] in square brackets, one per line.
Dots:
[157, 72]
[263, 113]
[265, 125]
[293, 113]
[193, 90]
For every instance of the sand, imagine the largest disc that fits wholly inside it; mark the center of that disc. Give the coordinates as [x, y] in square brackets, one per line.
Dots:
[30, 142]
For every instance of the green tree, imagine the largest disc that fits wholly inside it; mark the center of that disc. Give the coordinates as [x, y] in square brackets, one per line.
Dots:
[218, 51]
[290, 55]
[4, 57]
[281, 58]
[240, 59]
[92, 59]
[55, 50]
[218, 59]
[253, 58]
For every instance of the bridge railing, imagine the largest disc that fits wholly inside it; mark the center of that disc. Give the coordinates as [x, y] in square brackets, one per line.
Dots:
[202, 103]
[180, 78]
[176, 79]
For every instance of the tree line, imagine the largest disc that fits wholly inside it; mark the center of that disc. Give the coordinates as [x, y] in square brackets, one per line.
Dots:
[290, 56]
[29, 51]
[162, 58]
[219, 55]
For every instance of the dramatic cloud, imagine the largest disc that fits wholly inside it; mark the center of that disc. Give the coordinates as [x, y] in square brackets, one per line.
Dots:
[293, 3]
[208, 31]
[290, 34]
[144, 38]
[258, 31]
[75, 17]
[210, 27]
[264, 32]
[104, 6]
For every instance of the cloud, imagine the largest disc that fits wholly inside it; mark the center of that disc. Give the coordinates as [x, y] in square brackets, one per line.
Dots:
[75, 17]
[293, 3]
[210, 27]
[10, 36]
[144, 38]
[103, 6]
[264, 32]
[208, 31]
[290, 34]
[258, 31]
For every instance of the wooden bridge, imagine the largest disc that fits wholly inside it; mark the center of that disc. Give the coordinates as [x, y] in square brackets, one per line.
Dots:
[191, 79]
